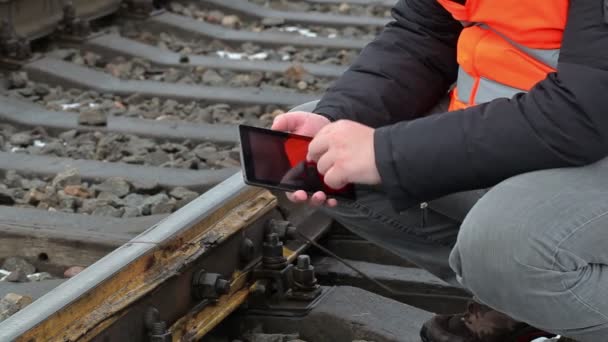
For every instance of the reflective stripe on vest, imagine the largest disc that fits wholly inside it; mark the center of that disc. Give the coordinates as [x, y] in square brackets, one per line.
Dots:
[547, 56]
[487, 90]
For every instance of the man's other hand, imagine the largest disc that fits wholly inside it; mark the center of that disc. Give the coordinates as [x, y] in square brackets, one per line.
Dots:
[344, 153]
[308, 124]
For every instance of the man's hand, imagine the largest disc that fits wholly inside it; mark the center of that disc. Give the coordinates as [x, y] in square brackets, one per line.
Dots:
[302, 123]
[307, 124]
[344, 152]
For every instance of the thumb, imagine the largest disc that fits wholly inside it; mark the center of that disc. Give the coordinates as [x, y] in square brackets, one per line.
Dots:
[279, 123]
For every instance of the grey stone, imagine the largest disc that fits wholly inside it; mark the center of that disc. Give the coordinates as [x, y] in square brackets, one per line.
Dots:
[21, 139]
[134, 200]
[157, 204]
[211, 77]
[17, 276]
[41, 89]
[6, 196]
[53, 147]
[145, 187]
[115, 185]
[88, 206]
[11, 303]
[16, 263]
[182, 193]
[205, 152]
[273, 21]
[93, 118]
[108, 198]
[17, 80]
[68, 177]
[12, 179]
[157, 158]
[70, 203]
[107, 210]
[162, 208]
[131, 212]
[68, 135]
[35, 183]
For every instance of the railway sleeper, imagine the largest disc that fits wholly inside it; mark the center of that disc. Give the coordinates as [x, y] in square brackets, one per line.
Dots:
[56, 71]
[256, 11]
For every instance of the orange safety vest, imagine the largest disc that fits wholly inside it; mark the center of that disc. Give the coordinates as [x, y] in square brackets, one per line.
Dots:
[506, 47]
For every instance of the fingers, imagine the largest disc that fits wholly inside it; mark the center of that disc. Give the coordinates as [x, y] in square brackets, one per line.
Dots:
[331, 202]
[288, 122]
[325, 162]
[335, 178]
[318, 146]
[299, 196]
[317, 199]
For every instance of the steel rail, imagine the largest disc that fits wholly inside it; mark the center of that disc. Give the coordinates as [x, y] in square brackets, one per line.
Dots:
[155, 268]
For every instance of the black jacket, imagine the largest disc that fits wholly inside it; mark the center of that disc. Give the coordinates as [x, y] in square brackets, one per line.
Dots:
[562, 121]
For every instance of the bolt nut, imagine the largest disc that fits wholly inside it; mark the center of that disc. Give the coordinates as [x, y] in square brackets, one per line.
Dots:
[284, 229]
[304, 274]
[273, 247]
[247, 250]
[303, 262]
[206, 285]
[222, 286]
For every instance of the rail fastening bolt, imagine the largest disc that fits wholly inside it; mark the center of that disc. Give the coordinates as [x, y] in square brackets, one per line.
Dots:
[222, 286]
[303, 261]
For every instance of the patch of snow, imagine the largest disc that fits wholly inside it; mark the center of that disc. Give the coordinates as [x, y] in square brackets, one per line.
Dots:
[301, 31]
[240, 55]
[70, 106]
[39, 143]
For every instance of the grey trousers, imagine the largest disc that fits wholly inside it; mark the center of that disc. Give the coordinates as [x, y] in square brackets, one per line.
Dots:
[534, 246]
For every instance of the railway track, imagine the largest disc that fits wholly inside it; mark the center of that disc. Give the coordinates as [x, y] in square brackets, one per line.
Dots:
[118, 162]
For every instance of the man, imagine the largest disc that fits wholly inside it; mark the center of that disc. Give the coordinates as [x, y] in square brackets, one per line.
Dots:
[534, 248]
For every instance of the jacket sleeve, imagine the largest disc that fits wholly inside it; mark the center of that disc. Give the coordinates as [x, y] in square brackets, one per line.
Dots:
[561, 122]
[401, 74]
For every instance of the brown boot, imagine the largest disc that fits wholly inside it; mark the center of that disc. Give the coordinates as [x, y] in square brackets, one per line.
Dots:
[478, 324]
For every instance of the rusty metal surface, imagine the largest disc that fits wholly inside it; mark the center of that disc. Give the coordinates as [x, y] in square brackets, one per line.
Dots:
[53, 315]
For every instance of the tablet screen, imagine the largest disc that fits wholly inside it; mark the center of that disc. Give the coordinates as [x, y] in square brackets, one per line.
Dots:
[278, 159]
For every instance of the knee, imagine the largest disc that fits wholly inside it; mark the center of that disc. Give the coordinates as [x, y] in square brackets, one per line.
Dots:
[498, 250]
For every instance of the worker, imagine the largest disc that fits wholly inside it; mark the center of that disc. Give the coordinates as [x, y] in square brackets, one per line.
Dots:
[518, 158]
